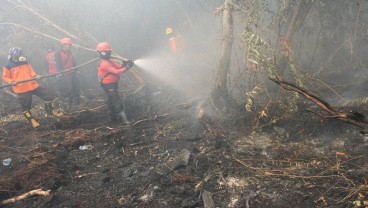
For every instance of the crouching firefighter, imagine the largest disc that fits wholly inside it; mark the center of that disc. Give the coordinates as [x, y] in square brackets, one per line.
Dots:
[109, 72]
[18, 69]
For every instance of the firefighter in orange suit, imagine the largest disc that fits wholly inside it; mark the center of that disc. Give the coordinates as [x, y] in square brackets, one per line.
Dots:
[68, 82]
[175, 41]
[109, 72]
[18, 69]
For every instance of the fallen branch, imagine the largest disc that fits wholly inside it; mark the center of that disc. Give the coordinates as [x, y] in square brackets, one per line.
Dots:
[150, 119]
[46, 20]
[25, 196]
[351, 117]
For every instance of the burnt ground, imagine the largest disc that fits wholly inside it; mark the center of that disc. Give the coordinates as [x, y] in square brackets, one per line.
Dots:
[299, 162]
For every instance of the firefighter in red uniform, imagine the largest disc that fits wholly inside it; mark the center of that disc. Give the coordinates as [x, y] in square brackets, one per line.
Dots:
[68, 82]
[18, 69]
[109, 72]
[52, 82]
[50, 60]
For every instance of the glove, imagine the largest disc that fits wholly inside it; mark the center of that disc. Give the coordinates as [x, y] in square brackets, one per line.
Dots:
[128, 64]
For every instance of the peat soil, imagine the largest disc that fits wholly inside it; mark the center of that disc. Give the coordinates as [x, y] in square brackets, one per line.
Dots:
[168, 157]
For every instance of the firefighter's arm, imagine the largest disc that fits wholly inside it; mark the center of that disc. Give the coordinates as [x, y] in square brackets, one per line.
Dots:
[7, 75]
[128, 64]
[32, 73]
[114, 69]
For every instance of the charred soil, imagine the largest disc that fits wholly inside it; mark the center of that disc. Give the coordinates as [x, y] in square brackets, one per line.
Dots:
[167, 157]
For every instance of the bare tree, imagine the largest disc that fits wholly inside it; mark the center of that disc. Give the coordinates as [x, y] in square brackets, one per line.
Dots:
[219, 92]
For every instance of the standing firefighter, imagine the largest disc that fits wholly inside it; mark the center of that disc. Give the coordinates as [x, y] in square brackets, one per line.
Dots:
[52, 82]
[175, 41]
[69, 82]
[18, 69]
[109, 73]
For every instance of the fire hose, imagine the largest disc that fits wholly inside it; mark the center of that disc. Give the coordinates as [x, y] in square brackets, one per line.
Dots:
[50, 75]
[138, 77]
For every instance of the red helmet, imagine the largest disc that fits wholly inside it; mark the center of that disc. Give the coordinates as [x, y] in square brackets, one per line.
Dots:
[103, 46]
[66, 41]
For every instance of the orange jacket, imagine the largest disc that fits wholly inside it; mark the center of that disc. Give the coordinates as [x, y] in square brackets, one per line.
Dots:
[109, 71]
[176, 44]
[18, 71]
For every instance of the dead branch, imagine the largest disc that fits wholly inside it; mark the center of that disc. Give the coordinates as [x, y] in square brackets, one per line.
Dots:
[85, 174]
[351, 117]
[43, 34]
[150, 119]
[44, 19]
[25, 196]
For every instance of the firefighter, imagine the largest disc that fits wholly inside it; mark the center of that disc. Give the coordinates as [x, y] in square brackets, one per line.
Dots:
[18, 69]
[52, 82]
[109, 72]
[68, 82]
[175, 41]
[50, 60]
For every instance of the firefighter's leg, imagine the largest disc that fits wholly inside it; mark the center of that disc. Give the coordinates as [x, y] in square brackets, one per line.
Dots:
[49, 100]
[31, 119]
[118, 106]
[110, 90]
[51, 110]
[25, 100]
[76, 89]
[65, 90]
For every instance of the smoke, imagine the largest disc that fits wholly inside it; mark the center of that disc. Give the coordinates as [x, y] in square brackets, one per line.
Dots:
[181, 73]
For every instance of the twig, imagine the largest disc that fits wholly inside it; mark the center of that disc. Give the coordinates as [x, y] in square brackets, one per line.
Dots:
[363, 187]
[85, 174]
[25, 195]
[297, 176]
[149, 119]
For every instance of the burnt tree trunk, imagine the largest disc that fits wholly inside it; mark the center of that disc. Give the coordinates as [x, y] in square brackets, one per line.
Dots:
[299, 13]
[219, 92]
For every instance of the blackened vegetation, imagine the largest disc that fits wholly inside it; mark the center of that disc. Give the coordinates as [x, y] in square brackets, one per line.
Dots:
[353, 117]
[301, 162]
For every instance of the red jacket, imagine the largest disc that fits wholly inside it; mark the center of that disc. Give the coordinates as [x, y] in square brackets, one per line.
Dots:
[50, 59]
[64, 60]
[109, 71]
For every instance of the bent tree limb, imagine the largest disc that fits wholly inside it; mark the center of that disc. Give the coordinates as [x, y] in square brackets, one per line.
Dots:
[25, 196]
[351, 117]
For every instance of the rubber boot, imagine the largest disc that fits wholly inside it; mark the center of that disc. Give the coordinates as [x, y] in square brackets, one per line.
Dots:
[50, 110]
[30, 118]
[123, 117]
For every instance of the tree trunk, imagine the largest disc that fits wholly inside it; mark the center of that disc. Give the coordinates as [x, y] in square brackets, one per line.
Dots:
[219, 92]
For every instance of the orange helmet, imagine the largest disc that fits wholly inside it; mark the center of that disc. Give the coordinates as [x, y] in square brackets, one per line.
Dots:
[66, 41]
[103, 46]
